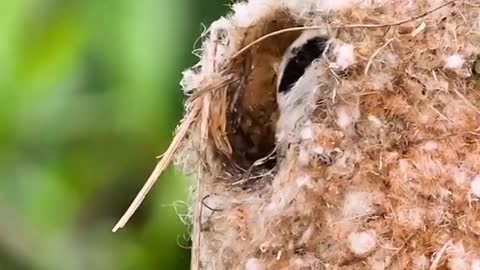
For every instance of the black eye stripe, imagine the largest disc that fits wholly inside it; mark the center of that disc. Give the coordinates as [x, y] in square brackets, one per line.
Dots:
[303, 57]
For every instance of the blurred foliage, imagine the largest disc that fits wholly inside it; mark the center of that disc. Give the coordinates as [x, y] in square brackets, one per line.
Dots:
[90, 95]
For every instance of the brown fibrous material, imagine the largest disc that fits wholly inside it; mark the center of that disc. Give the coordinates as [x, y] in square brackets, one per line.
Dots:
[400, 128]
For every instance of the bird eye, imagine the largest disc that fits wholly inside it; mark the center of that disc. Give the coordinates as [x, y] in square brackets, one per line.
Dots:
[302, 57]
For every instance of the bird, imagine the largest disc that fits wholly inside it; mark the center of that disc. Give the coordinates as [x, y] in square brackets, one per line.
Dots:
[299, 73]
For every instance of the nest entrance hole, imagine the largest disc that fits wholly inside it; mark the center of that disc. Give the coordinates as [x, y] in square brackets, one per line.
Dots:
[253, 106]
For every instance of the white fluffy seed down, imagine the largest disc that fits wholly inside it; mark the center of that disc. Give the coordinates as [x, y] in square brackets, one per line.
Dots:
[305, 182]
[457, 263]
[357, 204]
[475, 186]
[347, 115]
[459, 176]
[430, 146]
[345, 56]
[413, 217]
[455, 61]
[376, 122]
[475, 264]
[306, 133]
[254, 264]
[300, 7]
[362, 243]
[421, 262]
[248, 13]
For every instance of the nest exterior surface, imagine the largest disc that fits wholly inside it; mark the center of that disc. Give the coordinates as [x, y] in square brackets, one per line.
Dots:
[386, 172]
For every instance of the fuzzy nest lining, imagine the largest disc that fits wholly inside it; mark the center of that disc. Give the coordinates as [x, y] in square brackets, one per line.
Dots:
[386, 172]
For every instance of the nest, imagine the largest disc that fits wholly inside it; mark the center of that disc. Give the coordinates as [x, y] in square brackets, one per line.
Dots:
[386, 172]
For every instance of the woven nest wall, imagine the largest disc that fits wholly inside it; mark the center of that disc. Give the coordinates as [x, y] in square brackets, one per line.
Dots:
[384, 174]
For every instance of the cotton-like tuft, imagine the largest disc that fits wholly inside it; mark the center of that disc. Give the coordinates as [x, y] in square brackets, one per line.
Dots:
[357, 204]
[345, 56]
[475, 186]
[455, 61]
[361, 243]
[475, 264]
[254, 264]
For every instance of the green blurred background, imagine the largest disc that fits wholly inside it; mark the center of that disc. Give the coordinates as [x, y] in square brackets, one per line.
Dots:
[90, 95]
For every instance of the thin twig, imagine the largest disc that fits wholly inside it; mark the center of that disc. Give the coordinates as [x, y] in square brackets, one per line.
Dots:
[439, 255]
[286, 30]
[257, 163]
[161, 166]
[375, 54]
[226, 79]
[414, 18]
[301, 28]
[466, 101]
[209, 207]
[442, 115]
